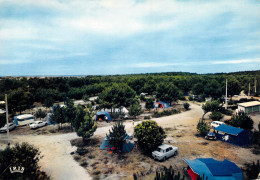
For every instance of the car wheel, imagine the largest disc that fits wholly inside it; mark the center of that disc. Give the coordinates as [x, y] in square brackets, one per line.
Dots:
[175, 153]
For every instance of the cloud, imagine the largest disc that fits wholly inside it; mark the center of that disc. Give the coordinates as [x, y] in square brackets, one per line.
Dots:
[240, 61]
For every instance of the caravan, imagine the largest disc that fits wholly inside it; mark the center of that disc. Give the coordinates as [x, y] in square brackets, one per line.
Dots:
[24, 119]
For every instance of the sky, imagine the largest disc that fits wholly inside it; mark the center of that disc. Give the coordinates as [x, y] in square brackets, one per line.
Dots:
[105, 37]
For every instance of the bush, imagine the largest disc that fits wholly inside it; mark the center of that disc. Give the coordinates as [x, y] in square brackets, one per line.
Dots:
[186, 106]
[182, 98]
[40, 114]
[190, 98]
[216, 116]
[242, 120]
[203, 128]
[149, 136]
[169, 174]
[253, 170]
[21, 155]
[165, 113]
[135, 109]
[147, 117]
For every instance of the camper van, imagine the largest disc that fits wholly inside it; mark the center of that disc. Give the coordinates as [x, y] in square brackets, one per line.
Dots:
[24, 119]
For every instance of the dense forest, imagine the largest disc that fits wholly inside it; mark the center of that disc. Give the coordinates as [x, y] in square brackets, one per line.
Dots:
[24, 91]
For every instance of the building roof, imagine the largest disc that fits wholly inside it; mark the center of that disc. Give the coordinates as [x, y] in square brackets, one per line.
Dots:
[229, 129]
[249, 104]
[25, 116]
[212, 168]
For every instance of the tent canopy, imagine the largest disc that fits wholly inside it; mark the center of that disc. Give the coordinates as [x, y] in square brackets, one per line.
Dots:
[229, 129]
[161, 104]
[103, 113]
[127, 145]
[214, 169]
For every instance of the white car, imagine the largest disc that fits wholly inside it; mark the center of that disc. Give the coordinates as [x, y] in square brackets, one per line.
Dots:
[38, 124]
[164, 151]
[11, 127]
[215, 124]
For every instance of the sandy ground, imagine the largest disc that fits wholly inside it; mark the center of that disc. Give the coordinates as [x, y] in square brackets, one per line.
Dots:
[58, 163]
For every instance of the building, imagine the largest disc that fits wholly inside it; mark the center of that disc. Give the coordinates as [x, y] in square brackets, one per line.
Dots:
[233, 135]
[212, 169]
[249, 107]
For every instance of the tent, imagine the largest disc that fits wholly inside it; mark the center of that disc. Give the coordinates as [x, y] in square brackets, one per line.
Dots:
[161, 104]
[102, 115]
[213, 169]
[233, 135]
[127, 146]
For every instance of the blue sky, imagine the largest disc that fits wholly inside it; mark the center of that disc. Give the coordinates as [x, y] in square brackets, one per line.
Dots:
[95, 37]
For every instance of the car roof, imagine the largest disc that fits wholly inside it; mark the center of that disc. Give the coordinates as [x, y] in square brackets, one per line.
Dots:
[218, 121]
[164, 146]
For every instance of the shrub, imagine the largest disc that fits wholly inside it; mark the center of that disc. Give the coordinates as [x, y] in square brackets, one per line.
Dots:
[203, 128]
[190, 98]
[186, 106]
[40, 114]
[216, 116]
[253, 170]
[147, 117]
[169, 174]
[149, 136]
[242, 120]
[135, 109]
[117, 135]
[165, 113]
[22, 155]
[182, 98]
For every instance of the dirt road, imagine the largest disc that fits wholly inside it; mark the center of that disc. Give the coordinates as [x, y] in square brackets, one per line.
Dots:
[59, 164]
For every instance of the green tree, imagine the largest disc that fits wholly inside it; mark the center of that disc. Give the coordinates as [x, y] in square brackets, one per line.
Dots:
[149, 136]
[58, 115]
[233, 87]
[149, 104]
[117, 135]
[2, 120]
[48, 102]
[203, 128]
[79, 117]
[87, 127]
[70, 112]
[135, 110]
[210, 107]
[23, 155]
[242, 120]
[253, 170]
[167, 92]
[168, 174]
[216, 116]
[40, 114]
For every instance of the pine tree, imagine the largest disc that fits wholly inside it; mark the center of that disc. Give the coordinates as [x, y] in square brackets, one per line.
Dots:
[117, 135]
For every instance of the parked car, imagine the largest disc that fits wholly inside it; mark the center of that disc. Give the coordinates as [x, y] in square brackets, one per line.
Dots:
[215, 124]
[211, 135]
[164, 151]
[11, 127]
[38, 124]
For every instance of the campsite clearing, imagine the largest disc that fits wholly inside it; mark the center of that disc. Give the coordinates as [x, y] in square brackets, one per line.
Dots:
[180, 129]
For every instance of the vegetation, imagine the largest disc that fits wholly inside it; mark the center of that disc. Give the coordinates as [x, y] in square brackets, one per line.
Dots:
[213, 106]
[165, 113]
[117, 135]
[22, 155]
[242, 120]
[203, 128]
[253, 170]
[40, 114]
[149, 136]
[2, 120]
[186, 106]
[149, 103]
[135, 110]
[169, 174]
[87, 127]
[58, 115]
[216, 116]
[23, 92]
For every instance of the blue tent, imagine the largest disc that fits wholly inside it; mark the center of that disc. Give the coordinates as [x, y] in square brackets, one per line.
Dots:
[215, 170]
[127, 146]
[161, 104]
[233, 135]
[102, 114]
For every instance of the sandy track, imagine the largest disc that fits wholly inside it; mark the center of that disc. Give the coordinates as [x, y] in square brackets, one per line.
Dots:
[60, 165]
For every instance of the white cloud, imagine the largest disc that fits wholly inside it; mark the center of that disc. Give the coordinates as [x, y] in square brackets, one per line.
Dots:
[236, 61]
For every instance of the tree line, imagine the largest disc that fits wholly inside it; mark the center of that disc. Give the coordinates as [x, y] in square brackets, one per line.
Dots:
[23, 92]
